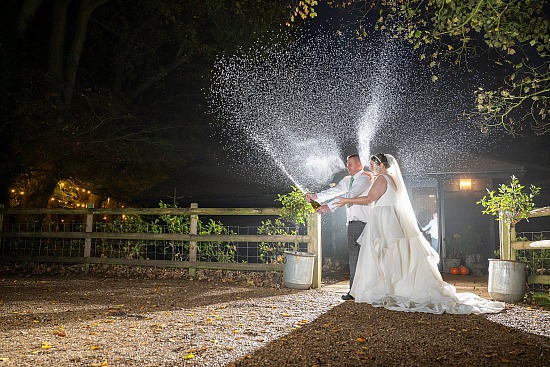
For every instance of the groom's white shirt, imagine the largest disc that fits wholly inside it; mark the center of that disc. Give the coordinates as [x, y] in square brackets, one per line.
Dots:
[360, 187]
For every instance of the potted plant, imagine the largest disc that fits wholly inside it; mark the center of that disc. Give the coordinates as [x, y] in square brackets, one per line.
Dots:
[509, 205]
[299, 265]
[460, 246]
[452, 258]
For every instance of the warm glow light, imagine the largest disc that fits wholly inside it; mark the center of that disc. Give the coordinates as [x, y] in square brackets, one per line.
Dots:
[465, 184]
[22, 193]
[12, 190]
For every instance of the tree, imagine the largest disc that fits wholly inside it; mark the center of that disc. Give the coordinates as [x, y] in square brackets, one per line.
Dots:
[106, 92]
[514, 34]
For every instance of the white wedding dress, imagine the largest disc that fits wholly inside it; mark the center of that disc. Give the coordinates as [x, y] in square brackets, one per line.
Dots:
[397, 267]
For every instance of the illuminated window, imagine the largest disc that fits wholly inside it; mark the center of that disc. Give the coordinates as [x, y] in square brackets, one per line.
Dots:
[465, 184]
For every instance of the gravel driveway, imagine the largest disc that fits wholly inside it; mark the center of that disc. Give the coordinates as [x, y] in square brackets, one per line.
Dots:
[93, 321]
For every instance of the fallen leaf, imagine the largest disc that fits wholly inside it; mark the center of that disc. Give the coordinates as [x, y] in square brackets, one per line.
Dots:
[4, 359]
[95, 347]
[189, 356]
[46, 345]
[361, 340]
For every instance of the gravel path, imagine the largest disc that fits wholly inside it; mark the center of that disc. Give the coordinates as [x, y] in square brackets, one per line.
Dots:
[93, 321]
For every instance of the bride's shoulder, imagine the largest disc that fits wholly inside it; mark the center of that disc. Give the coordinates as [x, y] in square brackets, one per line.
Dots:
[388, 178]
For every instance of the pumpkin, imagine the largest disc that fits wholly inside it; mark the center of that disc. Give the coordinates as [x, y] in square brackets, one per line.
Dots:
[454, 271]
[463, 270]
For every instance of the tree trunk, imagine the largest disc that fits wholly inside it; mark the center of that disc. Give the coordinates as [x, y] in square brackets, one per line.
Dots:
[42, 190]
[57, 39]
[28, 10]
[84, 14]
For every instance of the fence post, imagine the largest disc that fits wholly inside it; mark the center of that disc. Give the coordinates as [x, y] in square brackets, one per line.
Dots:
[1, 222]
[193, 244]
[88, 240]
[315, 247]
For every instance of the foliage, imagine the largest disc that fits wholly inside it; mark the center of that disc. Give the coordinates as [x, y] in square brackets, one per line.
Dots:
[273, 252]
[174, 250]
[541, 299]
[510, 204]
[514, 34]
[295, 207]
[174, 223]
[295, 210]
[302, 10]
[215, 250]
[130, 249]
[464, 243]
[538, 260]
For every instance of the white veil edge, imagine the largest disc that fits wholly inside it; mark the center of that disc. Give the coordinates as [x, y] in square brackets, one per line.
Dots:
[405, 209]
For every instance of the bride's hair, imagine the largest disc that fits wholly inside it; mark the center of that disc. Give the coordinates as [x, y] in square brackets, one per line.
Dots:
[380, 158]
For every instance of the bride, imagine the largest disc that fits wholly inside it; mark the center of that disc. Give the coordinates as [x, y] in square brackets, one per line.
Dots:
[397, 267]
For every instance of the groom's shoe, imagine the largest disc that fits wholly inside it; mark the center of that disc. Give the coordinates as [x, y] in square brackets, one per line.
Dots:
[347, 297]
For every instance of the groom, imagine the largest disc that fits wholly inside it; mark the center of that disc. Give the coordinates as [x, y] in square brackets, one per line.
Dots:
[358, 183]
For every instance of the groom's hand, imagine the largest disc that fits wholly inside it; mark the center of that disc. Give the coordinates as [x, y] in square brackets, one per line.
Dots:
[323, 209]
[310, 196]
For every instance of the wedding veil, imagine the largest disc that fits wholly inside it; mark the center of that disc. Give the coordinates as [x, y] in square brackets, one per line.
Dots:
[404, 206]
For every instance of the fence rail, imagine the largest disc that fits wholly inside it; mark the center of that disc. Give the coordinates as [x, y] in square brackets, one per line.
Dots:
[312, 238]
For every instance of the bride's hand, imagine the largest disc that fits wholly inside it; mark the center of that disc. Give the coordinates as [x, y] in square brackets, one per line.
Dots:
[341, 201]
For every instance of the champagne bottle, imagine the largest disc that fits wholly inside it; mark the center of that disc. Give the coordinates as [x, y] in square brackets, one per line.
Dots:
[314, 204]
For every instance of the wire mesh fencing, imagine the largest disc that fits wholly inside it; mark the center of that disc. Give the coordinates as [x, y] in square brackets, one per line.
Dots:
[538, 260]
[207, 251]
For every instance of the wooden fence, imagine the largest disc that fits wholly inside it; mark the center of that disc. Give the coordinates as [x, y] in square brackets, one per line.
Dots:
[527, 245]
[312, 238]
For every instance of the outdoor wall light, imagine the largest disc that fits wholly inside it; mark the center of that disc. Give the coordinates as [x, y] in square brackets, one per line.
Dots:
[465, 184]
